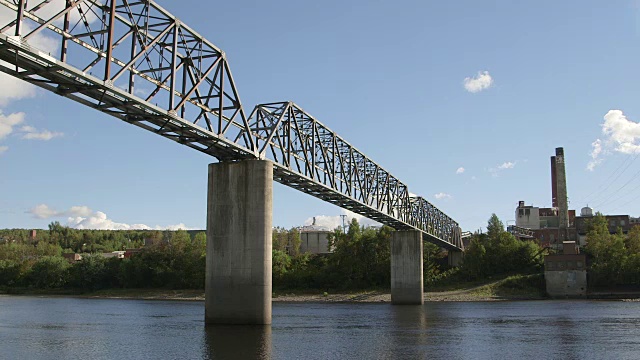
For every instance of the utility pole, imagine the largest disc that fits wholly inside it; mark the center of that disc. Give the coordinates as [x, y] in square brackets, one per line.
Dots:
[344, 226]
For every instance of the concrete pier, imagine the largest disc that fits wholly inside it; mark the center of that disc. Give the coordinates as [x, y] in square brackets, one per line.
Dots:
[239, 216]
[407, 285]
[455, 258]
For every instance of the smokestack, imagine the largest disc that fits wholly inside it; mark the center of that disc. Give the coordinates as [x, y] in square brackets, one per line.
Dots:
[554, 184]
[561, 193]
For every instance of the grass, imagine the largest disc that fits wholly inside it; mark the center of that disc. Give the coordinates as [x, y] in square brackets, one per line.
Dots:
[515, 287]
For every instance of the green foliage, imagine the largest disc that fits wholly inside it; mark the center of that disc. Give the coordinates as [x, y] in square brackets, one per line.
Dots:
[11, 273]
[499, 252]
[281, 262]
[614, 258]
[49, 272]
[361, 259]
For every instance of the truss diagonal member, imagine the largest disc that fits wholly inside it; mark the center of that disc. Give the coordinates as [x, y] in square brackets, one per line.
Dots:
[72, 5]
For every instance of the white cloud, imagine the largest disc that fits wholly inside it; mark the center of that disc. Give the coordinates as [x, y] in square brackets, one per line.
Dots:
[43, 211]
[8, 122]
[481, 82]
[327, 222]
[460, 170]
[79, 211]
[44, 134]
[442, 195]
[595, 155]
[620, 135]
[623, 133]
[502, 167]
[3, 149]
[100, 221]
[82, 217]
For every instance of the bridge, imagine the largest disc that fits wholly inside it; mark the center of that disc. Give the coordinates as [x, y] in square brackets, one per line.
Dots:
[106, 49]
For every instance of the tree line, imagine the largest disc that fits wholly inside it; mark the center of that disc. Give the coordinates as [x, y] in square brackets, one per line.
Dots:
[360, 259]
[614, 259]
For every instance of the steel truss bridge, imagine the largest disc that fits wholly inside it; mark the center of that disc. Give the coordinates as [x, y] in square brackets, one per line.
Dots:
[135, 61]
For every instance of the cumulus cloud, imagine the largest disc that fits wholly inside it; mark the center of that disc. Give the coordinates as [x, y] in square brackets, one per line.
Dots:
[495, 171]
[442, 195]
[79, 211]
[7, 122]
[460, 170]
[43, 211]
[480, 82]
[328, 222]
[82, 217]
[621, 135]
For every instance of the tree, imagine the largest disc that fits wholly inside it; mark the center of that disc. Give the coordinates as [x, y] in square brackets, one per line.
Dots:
[294, 241]
[499, 252]
[49, 272]
[495, 227]
[607, 252]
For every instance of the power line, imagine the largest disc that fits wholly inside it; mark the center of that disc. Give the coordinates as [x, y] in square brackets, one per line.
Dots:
[607, 201]
[627, 203]
[609, 183]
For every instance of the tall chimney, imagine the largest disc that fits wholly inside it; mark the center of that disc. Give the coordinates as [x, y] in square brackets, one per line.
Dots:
[554, 184]
[561, 194]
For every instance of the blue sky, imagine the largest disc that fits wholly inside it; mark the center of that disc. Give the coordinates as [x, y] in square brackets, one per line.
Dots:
[389, 77]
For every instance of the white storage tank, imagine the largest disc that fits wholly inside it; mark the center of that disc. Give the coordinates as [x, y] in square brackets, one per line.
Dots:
[586, 211]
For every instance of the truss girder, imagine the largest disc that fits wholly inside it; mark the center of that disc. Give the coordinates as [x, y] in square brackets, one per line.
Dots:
[135, 61]
[313, 159]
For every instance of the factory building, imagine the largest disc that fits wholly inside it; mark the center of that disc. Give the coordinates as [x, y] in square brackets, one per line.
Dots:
[554, 225]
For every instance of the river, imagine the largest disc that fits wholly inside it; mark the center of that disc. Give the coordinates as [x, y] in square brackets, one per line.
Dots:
[76, 328]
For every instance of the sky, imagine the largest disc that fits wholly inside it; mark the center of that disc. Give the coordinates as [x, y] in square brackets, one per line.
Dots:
[463, 101]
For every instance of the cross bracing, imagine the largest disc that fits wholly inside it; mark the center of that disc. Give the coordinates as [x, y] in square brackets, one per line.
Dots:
[137, 62]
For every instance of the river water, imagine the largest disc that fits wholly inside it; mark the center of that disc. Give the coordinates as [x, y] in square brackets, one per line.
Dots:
[73, 328]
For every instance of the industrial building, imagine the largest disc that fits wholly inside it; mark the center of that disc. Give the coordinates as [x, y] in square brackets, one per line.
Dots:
[314, 241]
[551, 226]
[556, 224]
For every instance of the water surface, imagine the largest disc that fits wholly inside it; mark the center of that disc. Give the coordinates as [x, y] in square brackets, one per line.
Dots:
[71, 328]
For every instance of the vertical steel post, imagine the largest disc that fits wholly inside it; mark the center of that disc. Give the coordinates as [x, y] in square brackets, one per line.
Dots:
[22, 4]
[132, 76]
[65, 28]
[313, 149]
[221, 98]
[174, 55]
[185, 74]
[107, 65]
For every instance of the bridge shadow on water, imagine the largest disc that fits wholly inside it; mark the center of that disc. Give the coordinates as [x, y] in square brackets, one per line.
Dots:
[237, 342]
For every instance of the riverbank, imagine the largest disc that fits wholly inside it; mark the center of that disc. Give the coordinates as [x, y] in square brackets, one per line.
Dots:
[510, 288]
[517, 287]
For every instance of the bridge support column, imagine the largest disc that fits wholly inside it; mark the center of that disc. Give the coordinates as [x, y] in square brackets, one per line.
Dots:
[238, 270]
[407, 285]
[455, 258]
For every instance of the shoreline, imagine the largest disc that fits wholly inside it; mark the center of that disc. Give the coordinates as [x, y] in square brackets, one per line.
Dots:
[465, 295]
